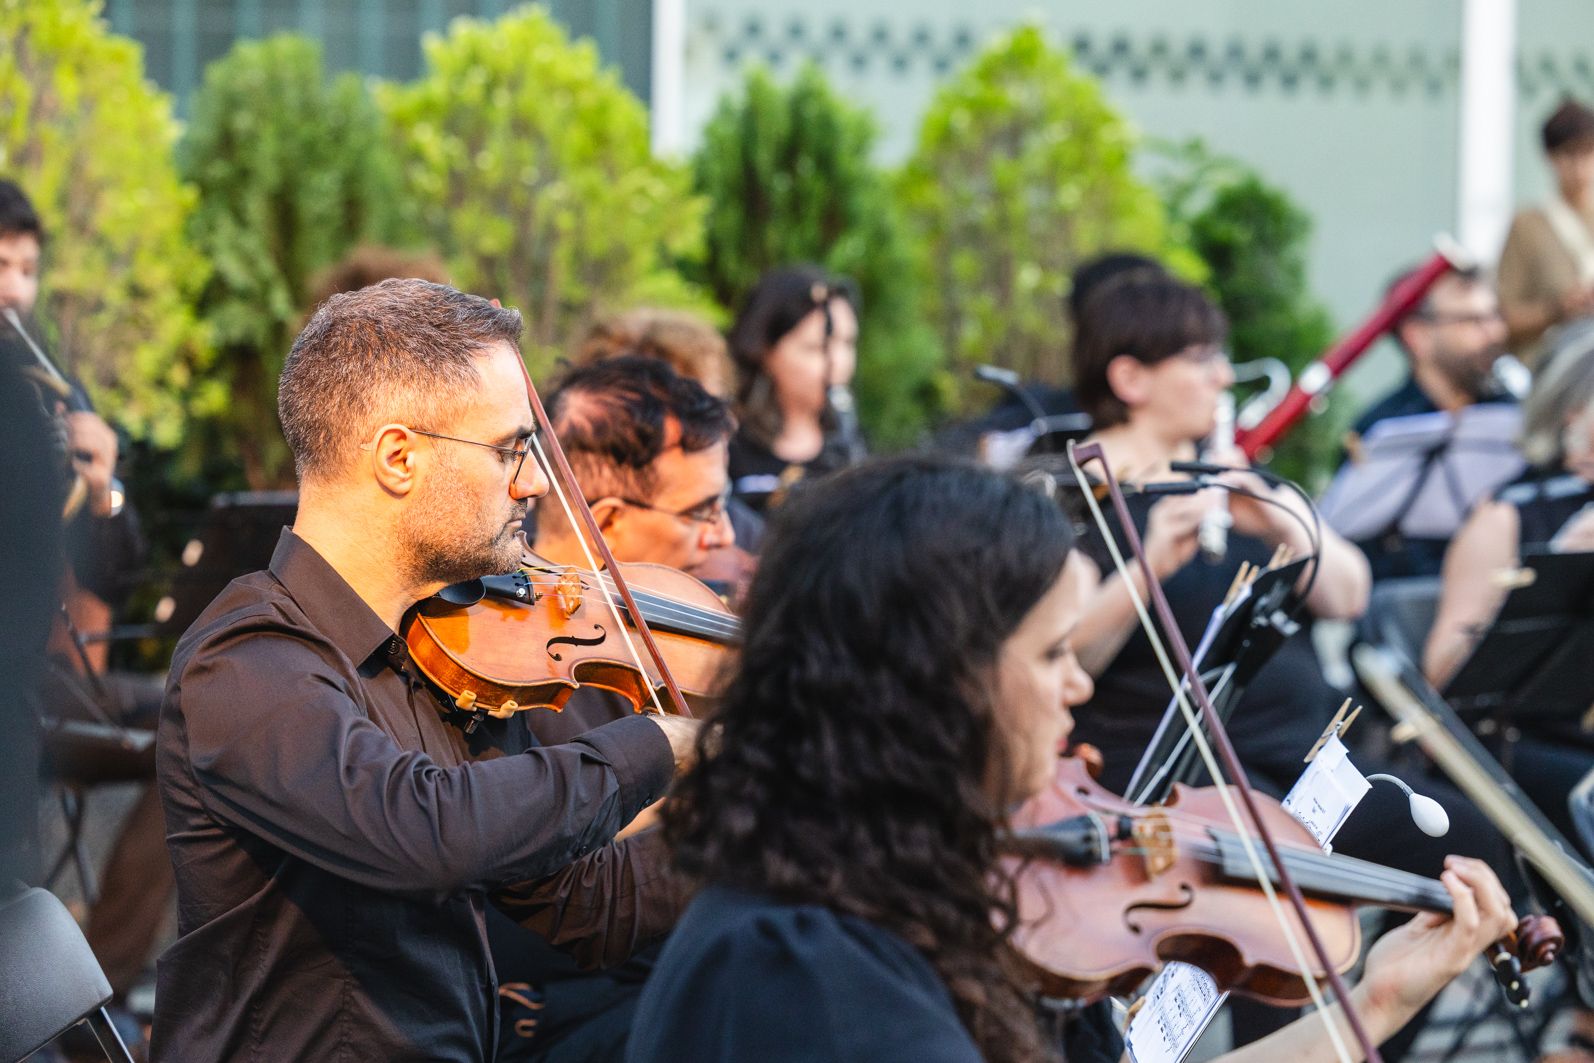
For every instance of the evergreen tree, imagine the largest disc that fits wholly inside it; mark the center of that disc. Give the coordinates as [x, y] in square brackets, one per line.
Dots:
[292, 170]
[89, 140]
[529, 166]
[1021, 171]
[788, 176]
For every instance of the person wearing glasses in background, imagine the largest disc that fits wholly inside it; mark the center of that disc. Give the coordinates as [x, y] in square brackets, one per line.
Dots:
[341, 835]
[1454, 341]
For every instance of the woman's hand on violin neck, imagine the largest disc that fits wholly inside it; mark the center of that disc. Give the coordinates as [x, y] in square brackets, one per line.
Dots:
[1409, 966]
[682, 734]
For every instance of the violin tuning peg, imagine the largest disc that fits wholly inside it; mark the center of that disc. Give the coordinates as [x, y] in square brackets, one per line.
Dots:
[466, 701]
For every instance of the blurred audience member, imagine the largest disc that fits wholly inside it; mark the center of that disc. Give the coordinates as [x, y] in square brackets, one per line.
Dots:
[1425, 453]
[691, 346]
[370, 263]
[795, 345]
[1547, 267]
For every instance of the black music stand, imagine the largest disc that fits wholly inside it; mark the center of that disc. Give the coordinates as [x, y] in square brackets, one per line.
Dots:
[1249, 632]
[238, 535]
[1532, 662]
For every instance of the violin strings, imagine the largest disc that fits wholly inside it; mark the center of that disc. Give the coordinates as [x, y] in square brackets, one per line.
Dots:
[1266, 886]
[586, 549]
[1297, 856]
[696, 619]
[1335, 878]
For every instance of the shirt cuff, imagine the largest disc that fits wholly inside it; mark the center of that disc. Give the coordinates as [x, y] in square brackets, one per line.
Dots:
[641, 756]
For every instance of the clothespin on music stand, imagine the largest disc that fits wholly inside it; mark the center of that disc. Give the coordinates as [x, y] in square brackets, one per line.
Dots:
[1336, 728]
[1242, 579]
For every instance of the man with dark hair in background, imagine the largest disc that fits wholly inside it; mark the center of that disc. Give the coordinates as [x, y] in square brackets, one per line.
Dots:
[1422, 455]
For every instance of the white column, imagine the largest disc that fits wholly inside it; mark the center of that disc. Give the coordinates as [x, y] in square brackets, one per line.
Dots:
[1484, 200]
[669, 66]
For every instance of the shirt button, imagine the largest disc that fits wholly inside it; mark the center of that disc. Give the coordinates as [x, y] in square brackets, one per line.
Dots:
[395, 648]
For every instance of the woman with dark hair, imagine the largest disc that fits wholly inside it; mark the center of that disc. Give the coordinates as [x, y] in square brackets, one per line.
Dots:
[905, 680]
[1150, 371]
[795, 346]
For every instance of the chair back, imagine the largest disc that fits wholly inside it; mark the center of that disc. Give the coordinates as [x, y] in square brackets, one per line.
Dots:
[1400, 614]
[49, 978]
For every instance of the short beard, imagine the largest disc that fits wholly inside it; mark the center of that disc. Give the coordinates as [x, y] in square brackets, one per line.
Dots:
[443, 539]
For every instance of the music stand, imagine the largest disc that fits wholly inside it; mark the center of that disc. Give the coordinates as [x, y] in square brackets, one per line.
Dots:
[1241, 637]
[237, 536]
[1532, 662]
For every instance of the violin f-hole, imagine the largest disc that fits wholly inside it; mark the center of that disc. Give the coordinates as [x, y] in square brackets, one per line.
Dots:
[1187, 898]
[575, 640]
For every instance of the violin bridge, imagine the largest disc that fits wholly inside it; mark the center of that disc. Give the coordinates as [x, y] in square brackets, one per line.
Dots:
[1153, 835]
[570, 592]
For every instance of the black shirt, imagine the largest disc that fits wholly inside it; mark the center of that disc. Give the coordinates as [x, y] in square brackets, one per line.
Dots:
[760, 479]
[336, 839]
[1278, 717]
[746, 977]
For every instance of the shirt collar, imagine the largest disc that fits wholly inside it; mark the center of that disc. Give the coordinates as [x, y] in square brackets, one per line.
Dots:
[328, 601]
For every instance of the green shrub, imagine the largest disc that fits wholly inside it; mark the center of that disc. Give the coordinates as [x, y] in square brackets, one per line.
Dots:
[1254, 238]
[1022, 169]
[528, 165]
[292, 170]
[89, 140]
[788, 177]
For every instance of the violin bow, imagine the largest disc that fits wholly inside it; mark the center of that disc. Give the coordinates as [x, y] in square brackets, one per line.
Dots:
[1078, 456]
[563, 480]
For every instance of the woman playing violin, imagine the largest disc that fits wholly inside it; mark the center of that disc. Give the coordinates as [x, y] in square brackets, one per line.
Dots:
[906, 680]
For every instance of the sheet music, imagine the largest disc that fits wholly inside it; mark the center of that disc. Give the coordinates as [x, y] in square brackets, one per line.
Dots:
[1183, 1000]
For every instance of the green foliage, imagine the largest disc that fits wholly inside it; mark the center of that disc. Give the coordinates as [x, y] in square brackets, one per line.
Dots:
[89, 140]
[1021, 171]
[529, 165]
[788, 175]
[292, 170]
[1253, 238]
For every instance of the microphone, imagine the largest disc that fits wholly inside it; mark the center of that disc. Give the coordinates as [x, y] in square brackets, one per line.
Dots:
[1010, 382]
[1428, 814]
[840, 398]
[1213, 534]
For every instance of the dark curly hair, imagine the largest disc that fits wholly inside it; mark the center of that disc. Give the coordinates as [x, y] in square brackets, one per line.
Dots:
[854, 760]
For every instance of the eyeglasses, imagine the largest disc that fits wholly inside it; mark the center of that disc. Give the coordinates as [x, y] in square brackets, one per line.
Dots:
[711, 512]
[509, 454]
[1460, 319]
[1204, 354]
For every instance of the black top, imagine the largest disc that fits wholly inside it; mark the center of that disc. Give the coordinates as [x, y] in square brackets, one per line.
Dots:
[1282, 712]
[747, 977]
[759, 478]
[1405, 401]
[1544, 505]
[336, 839]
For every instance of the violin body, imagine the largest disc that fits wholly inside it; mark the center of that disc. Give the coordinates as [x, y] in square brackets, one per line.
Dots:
[1089, 932]
[502, 656]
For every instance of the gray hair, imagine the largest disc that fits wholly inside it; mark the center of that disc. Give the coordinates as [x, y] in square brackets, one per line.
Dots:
[400, 350]
[1562, 388]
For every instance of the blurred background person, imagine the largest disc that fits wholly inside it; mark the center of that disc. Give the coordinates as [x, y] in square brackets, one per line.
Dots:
[1424, 454]
[692, 346]
[1547, 266]
[795, 346]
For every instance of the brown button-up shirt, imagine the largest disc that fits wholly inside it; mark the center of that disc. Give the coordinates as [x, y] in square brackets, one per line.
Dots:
[336, 838]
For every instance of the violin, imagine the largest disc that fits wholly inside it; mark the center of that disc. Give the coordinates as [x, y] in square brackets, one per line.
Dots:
[1109, 890]
[502, 644]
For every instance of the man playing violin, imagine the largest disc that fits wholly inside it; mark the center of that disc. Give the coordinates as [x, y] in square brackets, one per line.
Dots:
[337, 831]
